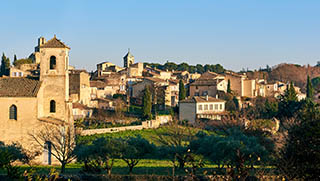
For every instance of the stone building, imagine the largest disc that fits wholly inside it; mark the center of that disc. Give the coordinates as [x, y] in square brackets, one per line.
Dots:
[201, 107]
[208, 84]
[29, 104]
[128, 60]
[79, 85]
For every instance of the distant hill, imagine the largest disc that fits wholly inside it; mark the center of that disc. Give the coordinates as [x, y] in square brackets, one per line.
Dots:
[287, 73]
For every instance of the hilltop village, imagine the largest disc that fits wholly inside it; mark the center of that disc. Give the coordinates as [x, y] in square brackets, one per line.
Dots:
[44, 92]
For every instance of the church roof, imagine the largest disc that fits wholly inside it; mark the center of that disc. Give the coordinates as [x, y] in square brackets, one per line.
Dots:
[54, 43]
[19, 87]
[128, 54]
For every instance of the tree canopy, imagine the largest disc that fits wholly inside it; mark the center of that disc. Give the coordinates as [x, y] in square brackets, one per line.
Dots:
[199, 68]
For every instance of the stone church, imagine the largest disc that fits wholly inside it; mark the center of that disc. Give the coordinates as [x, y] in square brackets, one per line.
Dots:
[30, 103]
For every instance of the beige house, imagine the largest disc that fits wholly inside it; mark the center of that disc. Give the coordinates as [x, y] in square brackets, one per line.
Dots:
[208, 84]
[28, 105]
[79, 85]
[156, 73]
[81, 111]
[135, 70]
[106, 68]
[201, 107]
[166, 91]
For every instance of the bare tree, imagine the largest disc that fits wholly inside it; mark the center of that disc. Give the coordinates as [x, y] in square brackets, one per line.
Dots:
[62, 140]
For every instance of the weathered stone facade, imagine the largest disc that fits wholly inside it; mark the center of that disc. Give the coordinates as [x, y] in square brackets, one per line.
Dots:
[29, 104]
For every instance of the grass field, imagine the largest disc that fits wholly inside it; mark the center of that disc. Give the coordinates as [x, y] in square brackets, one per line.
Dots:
[145, 167]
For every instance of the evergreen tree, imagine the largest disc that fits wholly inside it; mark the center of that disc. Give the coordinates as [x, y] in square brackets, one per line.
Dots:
[5, 65]
[289, 104]
[309, 88]
[229, 87]
[147, 104]
[15, 58]
[182, 91]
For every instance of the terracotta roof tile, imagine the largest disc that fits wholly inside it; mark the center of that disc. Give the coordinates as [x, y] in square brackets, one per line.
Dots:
[201, 99]
[19, 87]
[54, 43]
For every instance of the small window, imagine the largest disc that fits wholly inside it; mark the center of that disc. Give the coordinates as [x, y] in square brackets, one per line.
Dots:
[200, 107]
[220, 106]
[206, 107]
[211, 106]
[13, 112]
[52, 62]
[52, 106]
[216, 106]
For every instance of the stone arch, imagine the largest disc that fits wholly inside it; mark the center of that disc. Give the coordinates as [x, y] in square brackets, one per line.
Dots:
[13, 112]
[53, 62]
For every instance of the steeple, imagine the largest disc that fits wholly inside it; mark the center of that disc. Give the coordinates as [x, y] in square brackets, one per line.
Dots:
[128, 59]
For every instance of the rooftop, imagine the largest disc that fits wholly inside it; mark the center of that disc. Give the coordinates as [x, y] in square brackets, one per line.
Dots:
[198, 99]
[54, 43]
[19, 87]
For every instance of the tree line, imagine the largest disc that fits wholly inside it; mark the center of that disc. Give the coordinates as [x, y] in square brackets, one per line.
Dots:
[199, 68]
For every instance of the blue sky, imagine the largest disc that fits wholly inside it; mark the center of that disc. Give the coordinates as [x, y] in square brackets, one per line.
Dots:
[237, 34]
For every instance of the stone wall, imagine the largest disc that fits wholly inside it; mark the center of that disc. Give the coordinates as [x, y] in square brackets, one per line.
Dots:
[145, 125]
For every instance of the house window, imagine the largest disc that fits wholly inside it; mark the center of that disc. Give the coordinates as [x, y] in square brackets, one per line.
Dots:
[52, 106]
[13, 112]
[52, 62]
[211, 106]
[220, 106]
[206, 107]
[216, 106]
[200, 108]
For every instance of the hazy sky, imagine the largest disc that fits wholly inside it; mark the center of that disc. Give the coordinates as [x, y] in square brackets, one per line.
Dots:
[237, 34]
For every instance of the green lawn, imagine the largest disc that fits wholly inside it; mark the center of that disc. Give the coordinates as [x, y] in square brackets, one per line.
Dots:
[144, 167]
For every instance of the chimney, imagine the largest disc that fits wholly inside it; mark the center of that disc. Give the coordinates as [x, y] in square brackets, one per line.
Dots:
[207, 97]
[217, 96]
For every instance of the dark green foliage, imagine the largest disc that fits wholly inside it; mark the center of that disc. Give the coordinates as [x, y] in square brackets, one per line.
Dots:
[263, 108]
[19, 62]
[234, 148]
[98, 156]
[5, 65]
[121, 96]
[289, 104]
[147, 104]
[182, 91]
[186, 67]
[14, 58]
[229, 87]
[300, 156]
[309, 110]
[230, 102]
[174, 144]
[10, 154]
[316, 83]
[133, 149]
[309, 88]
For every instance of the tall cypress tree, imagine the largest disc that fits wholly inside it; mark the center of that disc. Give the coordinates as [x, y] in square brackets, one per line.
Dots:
[229, 87]
[309, 88]
[182, 91]
[147, 104]
[5, 65]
